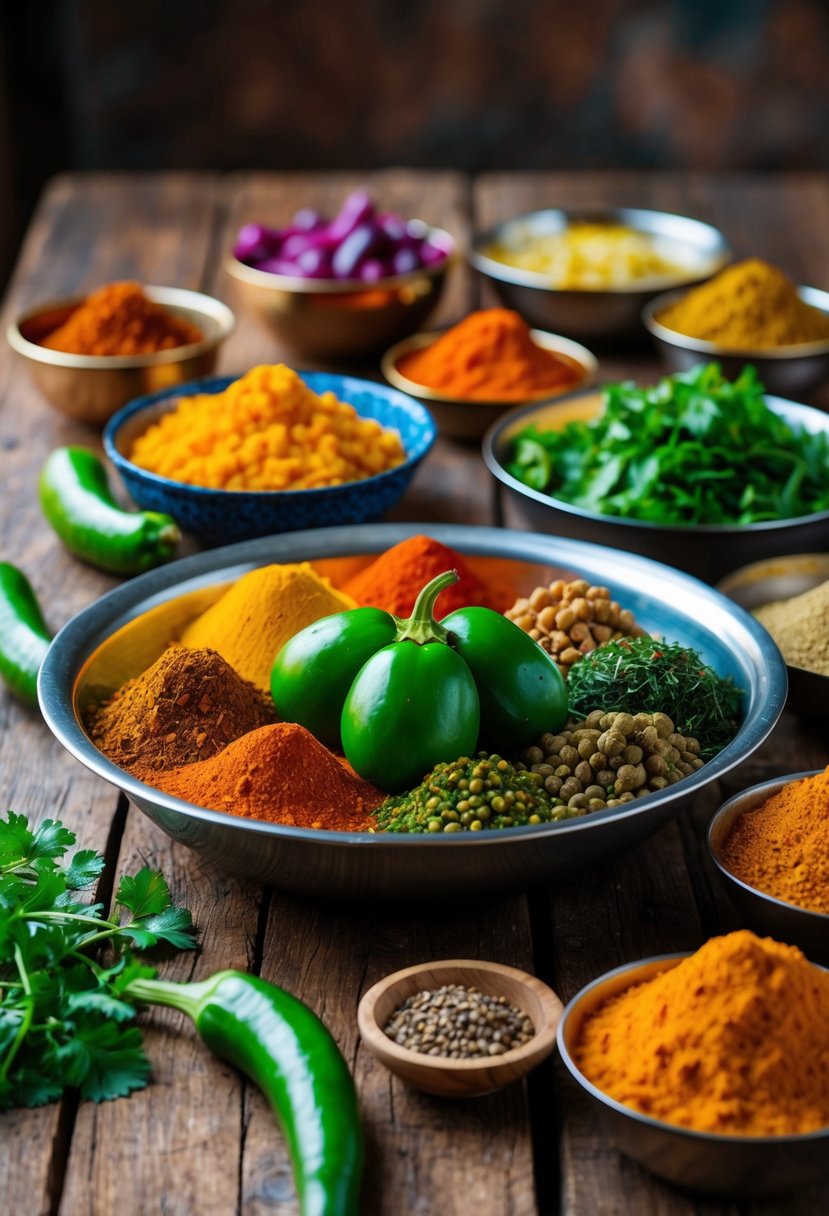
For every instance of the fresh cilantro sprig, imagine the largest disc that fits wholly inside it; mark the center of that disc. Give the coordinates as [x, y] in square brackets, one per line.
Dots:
[65, 1017]
[695, 448]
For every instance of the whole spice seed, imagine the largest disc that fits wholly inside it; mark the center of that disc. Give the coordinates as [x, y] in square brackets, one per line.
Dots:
[569, 620]
[459, 1023]
[609, 759]
[467, 795]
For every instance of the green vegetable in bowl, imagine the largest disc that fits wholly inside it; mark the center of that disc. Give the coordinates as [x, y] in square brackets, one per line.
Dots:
[693, 449]
[643, 675]
[404, 695]
[66, 1016]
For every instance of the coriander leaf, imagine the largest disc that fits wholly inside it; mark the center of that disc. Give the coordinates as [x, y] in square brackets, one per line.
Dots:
[101, 1002]
[15, 840]
[51, 840]
[33, 1088]
[83, 869]
[104, 1060]
[173, 926]
[145, 894]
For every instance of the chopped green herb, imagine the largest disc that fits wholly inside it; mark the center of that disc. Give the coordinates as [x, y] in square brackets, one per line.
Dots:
[693, 449]
[642, 675]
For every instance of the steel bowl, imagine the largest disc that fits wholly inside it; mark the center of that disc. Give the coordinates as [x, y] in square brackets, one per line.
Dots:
[460, 418]
[780, 579]
[90, 388]
[113, 640]
[738, 1166]
[707, 550]
[782, 369]
[220, 517]
[606, 312]
[764, 913]
[343, 318]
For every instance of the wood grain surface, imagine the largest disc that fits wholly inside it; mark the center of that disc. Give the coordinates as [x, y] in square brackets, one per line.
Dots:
[200, 1140]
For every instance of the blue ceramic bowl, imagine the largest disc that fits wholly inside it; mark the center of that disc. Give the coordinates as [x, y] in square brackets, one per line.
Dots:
[220, 517]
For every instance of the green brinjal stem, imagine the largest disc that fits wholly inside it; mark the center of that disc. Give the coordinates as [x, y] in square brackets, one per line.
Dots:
[421, 626]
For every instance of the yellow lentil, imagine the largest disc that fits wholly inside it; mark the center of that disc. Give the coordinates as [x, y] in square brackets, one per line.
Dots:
[266, 431]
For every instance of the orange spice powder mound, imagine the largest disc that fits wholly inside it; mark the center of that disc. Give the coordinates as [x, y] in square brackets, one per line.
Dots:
[393, 580]
[119, 319]
[733, 1040]
[490, 356]
[279, 773]
[782, 846]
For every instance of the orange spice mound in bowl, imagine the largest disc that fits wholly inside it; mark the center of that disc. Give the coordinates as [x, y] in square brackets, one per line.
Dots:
[490, 356]
[731, 1040]
[266, 431]
[279, 773]
[782, 846]
[393, 580]
[119, 319]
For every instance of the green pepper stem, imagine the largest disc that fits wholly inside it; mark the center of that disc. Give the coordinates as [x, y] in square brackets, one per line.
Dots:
[188, 998]
[421, 627]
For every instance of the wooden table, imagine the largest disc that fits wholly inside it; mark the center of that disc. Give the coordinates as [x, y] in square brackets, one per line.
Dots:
[199, 1141]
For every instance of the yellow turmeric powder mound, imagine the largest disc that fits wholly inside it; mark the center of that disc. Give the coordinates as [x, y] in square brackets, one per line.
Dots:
[256, 616]
[733, 1040]
[266, 431]
[747, 306]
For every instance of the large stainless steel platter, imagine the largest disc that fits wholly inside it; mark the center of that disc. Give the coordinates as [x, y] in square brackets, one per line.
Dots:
[366, 865]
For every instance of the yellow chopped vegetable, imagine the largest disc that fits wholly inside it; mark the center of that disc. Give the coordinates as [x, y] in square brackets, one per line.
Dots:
[266, 431]
[591, 256]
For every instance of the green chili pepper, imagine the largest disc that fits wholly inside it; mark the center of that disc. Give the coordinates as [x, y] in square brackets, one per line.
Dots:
[523, 694]
[286, 1050]
[354, 678]
[78, 503]
[24, 638]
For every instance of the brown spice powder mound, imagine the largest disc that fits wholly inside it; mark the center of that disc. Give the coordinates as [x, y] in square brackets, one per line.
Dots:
[800, 627]
[281, 774]
[189, 705]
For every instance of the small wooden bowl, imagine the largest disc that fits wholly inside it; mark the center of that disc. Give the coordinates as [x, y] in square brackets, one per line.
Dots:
[460, 1078]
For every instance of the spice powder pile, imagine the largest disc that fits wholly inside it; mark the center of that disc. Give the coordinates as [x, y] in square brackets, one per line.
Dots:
[189, 705]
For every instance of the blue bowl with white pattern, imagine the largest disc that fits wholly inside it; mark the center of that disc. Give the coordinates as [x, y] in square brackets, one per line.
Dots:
[220, 517]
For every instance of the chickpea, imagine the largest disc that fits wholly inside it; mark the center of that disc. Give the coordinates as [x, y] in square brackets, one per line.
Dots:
[584, 773]
[623, 724]
[632, 754]
[570, 787]
[664, 725]
[540, 598]
[597, 761]
[552, 744]
[656, 766]
[553, 784]
[569, 755]
[629, 777]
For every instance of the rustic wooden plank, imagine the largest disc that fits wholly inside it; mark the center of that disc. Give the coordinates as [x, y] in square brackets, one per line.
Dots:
[424, 1155]
[86, 231]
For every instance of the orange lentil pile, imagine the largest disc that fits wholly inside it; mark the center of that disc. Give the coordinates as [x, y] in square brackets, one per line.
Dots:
[266, 431]
[119, 319]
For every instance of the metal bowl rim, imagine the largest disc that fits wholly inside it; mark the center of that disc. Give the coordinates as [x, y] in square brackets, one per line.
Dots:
[770, 787]
[271, 280]
[195, 387]
[171, 297]
[426, 338]
[719, 1138]
[812, 296]
[57, 705]
[498, 470]
[721, 254]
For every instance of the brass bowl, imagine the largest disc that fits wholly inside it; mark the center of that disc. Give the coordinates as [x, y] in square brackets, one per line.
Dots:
[765, 913]
[739, 1166]
[782, 578]
[460, 418]
[597, 313]
[90, 388]
[343, 318]
[782, 369]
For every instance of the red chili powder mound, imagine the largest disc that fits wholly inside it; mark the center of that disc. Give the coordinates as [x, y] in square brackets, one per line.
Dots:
[393, 581]
[281, 774]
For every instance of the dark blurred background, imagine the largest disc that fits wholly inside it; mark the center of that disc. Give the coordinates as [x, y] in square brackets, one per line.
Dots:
[469, 84]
